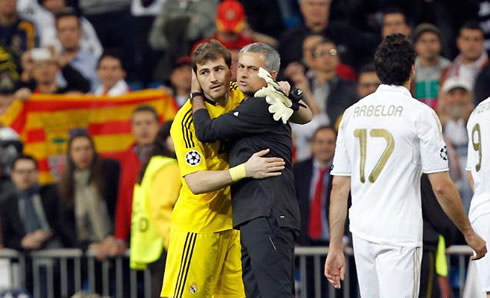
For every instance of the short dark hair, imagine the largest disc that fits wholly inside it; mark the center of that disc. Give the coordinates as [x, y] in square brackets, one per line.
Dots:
[112, 53]
[471, 25]
[367, 68]
[24, 157]
[323, 127]
[67, 12]
[394, 59]
[210, 50]
[146, 108]
[393, 9]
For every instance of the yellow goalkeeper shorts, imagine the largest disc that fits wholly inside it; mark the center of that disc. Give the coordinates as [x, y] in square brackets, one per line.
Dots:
[203, 265]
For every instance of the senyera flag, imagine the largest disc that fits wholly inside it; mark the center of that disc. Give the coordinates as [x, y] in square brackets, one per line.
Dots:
[45, 122]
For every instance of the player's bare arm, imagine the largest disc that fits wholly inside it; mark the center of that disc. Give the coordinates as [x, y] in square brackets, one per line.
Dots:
[448, 196]
[470, 180]
[257, 167]
[335, 263]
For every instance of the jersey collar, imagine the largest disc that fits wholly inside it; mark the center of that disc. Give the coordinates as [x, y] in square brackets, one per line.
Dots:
[394, 88]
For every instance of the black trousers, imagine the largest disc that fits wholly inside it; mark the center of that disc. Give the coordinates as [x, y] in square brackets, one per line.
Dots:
[428, 275]
[267, 258]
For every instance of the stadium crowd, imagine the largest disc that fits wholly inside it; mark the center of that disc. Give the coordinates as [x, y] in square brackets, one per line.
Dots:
[115, 47]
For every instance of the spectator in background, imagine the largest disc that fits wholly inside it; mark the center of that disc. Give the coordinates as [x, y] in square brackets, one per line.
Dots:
[331, 93]
[230, 24]
[144, 125]
[115, 28]
[232, 29]
[88, 190]
[313, 185]
[155, 195]
[69, 34]
[42, 66]
[429, 63]
[472, 57]
[111, 75]
[180, 81]
[368, 81]
[455, 107]
[17, 34]
[144, 13]
[29, 216]
[344, 71]
[42, 13]
[395, 21]
[178, 26]
[316, 14]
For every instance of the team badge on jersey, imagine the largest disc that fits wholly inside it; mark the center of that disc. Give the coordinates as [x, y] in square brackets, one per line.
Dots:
[443, 152]
[193, 289]
[193, 158]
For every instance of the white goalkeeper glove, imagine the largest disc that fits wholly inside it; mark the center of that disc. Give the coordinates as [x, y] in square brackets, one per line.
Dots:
[280, 104]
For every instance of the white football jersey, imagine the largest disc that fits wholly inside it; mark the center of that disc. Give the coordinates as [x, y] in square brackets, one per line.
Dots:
[385, 141]
[478, 161]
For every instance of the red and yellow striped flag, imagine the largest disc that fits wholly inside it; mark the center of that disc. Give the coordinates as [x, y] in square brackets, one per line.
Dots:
[44, 123]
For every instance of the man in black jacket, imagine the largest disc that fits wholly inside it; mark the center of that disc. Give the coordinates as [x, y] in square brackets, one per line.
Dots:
[266, 211]
[28, 216]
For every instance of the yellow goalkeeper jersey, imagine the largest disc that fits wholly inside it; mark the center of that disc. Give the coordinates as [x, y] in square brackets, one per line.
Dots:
[210, 212]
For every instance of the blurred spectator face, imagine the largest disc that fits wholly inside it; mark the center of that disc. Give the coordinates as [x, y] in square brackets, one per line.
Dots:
[323, 144]
[428, 46]
[308, 46]
[368, 83]
[24, 174]
[110, 71]
[325, 57]
[69, 32]
[315, 12]
[54, 6]
[144, 127]
[44, 72]
[181, 77]
[455, 102]
[214, 77]
[470, 44]
[248, 72]
[395, 23]
[8, 8]
[82, 153]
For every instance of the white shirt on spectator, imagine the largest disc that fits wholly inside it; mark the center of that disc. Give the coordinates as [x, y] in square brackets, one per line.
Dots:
[388, 126]
[120, 88]
[304, 133]
[154, 9]
[45, 24]
[478, 161]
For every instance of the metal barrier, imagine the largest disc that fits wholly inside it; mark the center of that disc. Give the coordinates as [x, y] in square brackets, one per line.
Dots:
[67, 271]
[69, 265]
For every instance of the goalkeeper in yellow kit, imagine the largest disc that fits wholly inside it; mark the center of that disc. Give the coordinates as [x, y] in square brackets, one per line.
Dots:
[204, 258]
